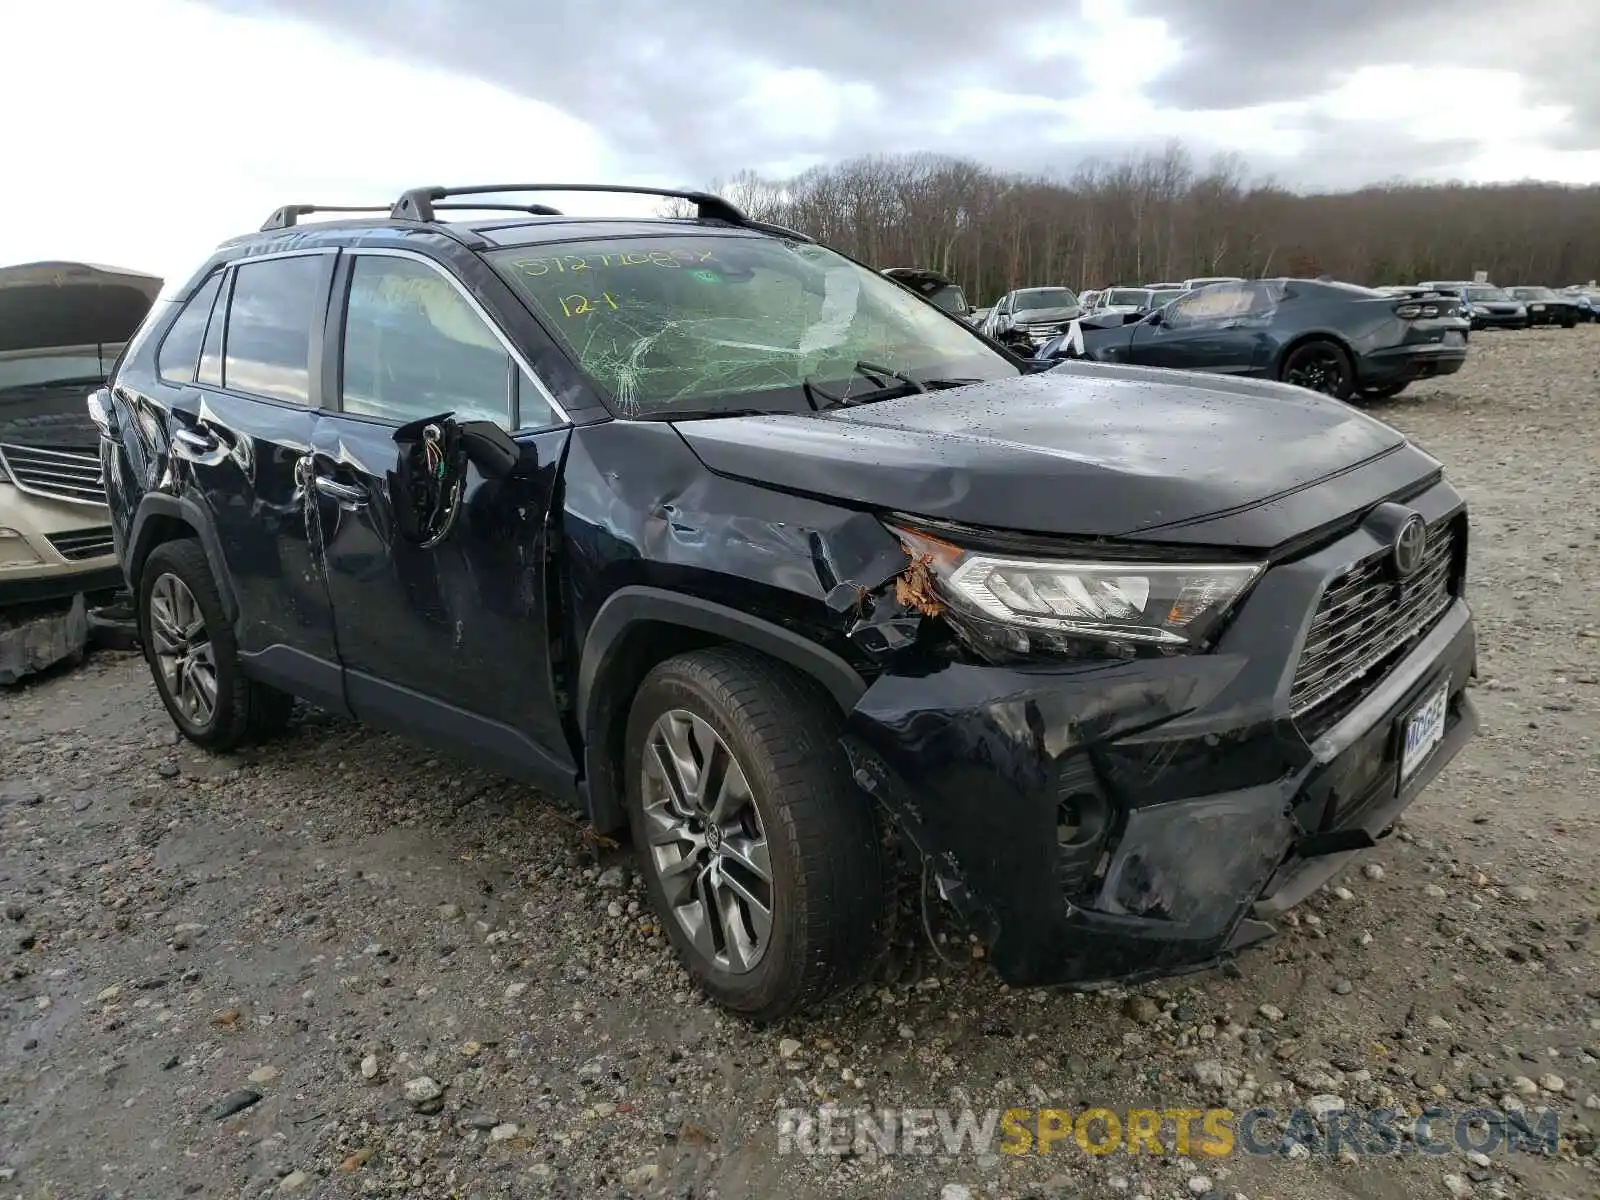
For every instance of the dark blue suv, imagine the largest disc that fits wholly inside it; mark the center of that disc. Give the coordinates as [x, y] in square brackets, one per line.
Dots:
[727, 540]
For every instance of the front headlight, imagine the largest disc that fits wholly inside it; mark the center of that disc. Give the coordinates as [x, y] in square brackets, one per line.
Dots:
[1018, 603]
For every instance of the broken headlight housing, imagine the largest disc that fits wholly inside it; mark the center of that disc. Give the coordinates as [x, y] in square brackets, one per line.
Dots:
[1018, 605]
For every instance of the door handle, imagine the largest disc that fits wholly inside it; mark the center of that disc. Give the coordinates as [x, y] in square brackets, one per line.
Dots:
[197, 446]
[344, 493]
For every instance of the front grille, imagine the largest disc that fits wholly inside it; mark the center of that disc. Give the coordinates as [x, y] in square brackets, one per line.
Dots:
[70, 474]
[80, 544]
[1364, 619]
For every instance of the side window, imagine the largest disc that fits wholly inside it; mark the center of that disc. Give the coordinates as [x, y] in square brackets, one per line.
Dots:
[1263, 298]
[269, 327]
[211, 350]
[180, 350]
[1218, 301]
[414, 347]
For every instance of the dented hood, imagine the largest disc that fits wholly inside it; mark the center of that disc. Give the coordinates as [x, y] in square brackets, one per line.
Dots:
[1086, 450]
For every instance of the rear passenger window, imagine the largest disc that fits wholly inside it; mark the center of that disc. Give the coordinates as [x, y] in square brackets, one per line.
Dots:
[211, 351]
[268, 349]
[414, 347]
[180, 349]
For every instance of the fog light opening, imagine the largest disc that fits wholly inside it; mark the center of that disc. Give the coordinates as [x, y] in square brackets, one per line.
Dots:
[1081, 821]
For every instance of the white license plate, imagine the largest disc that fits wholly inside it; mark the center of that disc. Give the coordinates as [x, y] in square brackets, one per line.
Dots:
[1538, 308]
[1424, 730]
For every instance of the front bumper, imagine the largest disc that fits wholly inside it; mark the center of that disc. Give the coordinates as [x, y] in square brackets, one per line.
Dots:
[1225, 814]
[51, 549]
[1553, 314]
[1038, 335]
[1493, 320]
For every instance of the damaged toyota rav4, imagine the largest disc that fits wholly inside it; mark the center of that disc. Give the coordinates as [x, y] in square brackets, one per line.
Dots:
[725, 540]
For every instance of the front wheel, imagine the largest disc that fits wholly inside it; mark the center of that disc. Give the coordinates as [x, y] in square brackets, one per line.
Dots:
[760, 853]
[1321, 367]
[193, 656]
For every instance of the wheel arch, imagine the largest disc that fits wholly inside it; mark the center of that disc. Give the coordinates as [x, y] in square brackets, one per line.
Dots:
[162, 518]
[1317, 335]
[639, 627]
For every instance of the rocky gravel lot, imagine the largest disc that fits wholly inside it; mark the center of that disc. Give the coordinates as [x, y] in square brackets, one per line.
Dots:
[341, 966]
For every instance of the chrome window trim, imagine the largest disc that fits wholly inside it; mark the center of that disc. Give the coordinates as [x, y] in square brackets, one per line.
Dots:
[298, 252]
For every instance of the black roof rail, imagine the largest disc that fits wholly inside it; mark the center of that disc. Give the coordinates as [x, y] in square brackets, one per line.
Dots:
[419, 204]
[538, 210]
[290, 214]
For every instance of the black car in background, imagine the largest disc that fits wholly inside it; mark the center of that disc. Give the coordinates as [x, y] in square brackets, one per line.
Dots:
[1546, 306]
[718, 536]
[1346, 341]
[1029, 317]
[934, 287]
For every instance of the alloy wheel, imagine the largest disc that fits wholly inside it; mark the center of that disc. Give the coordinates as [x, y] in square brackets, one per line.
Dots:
[183, 651]
[706, 842]
[1318, 370]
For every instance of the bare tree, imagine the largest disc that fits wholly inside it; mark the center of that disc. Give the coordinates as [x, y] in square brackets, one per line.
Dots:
[1158, 216]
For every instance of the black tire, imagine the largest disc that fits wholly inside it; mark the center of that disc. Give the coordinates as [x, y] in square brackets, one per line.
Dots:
[244, 710]
[1568, 322]
[826, 893]
[1383, 391]
[1322, 362]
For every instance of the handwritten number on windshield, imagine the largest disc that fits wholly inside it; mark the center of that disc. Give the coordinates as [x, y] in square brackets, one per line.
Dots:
[579, 306]
[573, 263]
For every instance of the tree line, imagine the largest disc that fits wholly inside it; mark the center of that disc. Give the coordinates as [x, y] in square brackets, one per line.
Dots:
[1161, 217]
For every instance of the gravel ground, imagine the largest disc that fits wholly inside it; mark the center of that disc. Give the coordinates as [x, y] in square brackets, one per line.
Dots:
[410, 978]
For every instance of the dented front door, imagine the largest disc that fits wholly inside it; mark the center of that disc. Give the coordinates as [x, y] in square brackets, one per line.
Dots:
[441, 619]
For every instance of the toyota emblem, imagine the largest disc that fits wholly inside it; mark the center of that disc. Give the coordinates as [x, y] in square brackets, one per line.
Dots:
[1410, 544]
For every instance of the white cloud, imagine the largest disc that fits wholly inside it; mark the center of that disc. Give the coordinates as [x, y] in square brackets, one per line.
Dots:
[801, 104]
[141, 134]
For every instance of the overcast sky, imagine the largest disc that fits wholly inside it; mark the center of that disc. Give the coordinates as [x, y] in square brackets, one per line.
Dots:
[141, 132]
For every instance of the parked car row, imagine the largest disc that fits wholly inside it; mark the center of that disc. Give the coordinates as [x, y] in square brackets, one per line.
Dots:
[1349, 342]
[1487, 306]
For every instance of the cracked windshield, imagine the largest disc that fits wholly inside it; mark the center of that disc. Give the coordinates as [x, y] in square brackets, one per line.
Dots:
[679, 324]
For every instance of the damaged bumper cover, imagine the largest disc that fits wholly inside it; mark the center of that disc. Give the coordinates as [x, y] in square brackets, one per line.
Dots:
[1111, 821]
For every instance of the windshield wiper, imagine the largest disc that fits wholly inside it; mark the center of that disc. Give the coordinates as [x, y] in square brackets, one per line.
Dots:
[879, 375]
[872, 369]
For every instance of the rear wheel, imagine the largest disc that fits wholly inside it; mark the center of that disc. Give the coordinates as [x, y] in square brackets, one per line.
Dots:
[1320, 366]
[760, 853]
[193, 656]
